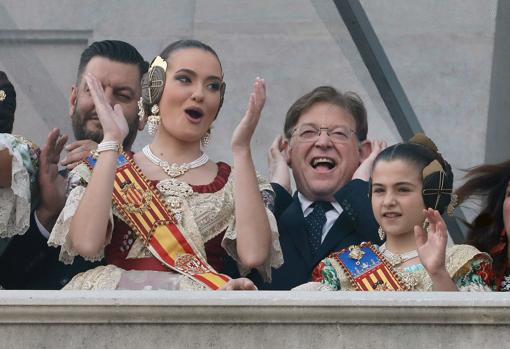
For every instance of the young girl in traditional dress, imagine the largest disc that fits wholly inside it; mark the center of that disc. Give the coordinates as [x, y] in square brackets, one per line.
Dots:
[411, 186]
[178, 218]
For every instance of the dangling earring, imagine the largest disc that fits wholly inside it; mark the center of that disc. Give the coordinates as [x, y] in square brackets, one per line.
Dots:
[382, 234]
[454, 201]
[425, 225]
[141, 110]
[154, 120]
[204, 141]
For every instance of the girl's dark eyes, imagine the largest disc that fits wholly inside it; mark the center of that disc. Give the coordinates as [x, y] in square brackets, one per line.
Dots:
[377, 190]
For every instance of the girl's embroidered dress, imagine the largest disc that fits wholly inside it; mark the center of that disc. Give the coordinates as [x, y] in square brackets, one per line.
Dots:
[469, 269]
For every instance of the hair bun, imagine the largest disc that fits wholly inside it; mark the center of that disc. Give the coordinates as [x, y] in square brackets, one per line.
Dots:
[4, 80]
[425, 141]
[153, 84]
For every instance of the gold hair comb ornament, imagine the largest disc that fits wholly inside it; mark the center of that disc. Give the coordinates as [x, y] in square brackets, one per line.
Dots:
[3, 95]
[434, 166]
[158, 62]
[153, 83]
[155, 80]
[454, 201]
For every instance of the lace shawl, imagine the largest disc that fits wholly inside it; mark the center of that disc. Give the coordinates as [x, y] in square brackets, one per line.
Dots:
[15, 202]
[205, 215]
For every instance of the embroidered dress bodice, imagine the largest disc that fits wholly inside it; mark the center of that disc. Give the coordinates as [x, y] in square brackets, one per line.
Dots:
[207, 215]
[469, 268]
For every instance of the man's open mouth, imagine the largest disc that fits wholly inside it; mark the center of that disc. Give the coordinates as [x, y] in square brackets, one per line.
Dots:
[323, 163]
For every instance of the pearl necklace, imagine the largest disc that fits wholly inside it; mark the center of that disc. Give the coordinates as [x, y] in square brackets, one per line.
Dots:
[394, 258]
[174, 170]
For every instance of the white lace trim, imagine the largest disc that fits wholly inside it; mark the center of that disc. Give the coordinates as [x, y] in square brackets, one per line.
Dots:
[15, 201]
[60, 234]
[105, 277]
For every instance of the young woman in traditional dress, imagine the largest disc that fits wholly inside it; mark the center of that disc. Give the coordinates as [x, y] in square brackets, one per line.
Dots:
[178, 218]
[410, 184]
[489, 231]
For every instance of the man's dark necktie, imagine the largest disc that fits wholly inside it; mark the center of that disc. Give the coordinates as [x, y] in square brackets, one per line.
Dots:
[314, 223]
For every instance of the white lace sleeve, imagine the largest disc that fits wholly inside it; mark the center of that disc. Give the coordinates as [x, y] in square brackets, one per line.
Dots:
[60, 234]
[15, 200]
[275, 259]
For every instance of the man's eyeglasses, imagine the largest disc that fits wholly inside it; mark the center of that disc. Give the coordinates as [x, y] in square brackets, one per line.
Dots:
[310, 133]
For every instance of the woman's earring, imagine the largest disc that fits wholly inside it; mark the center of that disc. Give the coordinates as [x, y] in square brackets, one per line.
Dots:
[204, 141]
[154, 120]
[426, 225]
[382, 234]
[141, 110]
[454, 201]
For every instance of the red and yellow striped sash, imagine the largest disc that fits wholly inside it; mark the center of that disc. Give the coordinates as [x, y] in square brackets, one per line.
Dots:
[136, 199]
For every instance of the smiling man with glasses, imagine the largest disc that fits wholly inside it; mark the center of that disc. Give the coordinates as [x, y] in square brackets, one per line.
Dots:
[326, 148]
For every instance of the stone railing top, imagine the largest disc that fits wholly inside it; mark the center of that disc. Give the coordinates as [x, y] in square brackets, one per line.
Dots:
[253, 307]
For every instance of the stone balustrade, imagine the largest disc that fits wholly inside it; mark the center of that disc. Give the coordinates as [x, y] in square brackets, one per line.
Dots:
[157, 319]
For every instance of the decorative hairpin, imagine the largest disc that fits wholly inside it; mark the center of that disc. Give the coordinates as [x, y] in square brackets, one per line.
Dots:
[454, 201]
[3, 95]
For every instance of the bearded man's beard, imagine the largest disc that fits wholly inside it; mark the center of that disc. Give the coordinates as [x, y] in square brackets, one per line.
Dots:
[80, 128]
[81, 132]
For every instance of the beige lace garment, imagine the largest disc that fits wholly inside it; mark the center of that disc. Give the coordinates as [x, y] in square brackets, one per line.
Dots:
[15, 201]
[205, 216]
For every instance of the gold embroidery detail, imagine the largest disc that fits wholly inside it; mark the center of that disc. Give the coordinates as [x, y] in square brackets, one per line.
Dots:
[175, 193]
[356, 253]
[137, 200]
[190, 264]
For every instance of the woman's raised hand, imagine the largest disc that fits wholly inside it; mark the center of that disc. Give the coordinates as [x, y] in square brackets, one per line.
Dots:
[432, 244]
[244, 131]
[278, 168]
[365, 168]
[113, 122]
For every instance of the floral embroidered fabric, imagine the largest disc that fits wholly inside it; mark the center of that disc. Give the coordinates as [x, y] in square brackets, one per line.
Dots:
[502, 281]
[469, 268]
[207, 216]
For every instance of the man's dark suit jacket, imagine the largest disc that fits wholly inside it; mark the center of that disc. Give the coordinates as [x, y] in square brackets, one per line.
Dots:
[355, 225]
[29, 263]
